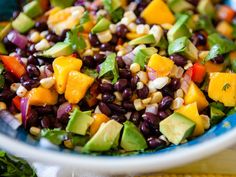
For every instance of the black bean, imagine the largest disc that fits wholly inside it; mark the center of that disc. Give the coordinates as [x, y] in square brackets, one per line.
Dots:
[165, 103]
[88, 61]
[120, 62]
[31, 48]
[104, 108]
[42, 110]
[162, 114]
[140, 20]
[143, 92]
[175, 84]
[106, 47]
[193, 2]
[61, 99]
[32, 83]
[133, 82]
[198, 39]
[135, 117]
[32, 60]
[121, 31]
[93, 39]
[114, 39]
[125, 73]
[120, 85]
[127, 94]
[106, 87]
[179, 60]
[63, 34]
[32, 71]
[8, 44]
[49, 67]
[145, 128]
[6, 95]
[129, 106]
[10, 78]
[57, 124]
[41, 26]
[154, 142]
[218, 59]
[32, 119]
[117, 108]
[99, 58]
[45, 122]
[52, 38]
[108, 97]
[119, 118]
[152, 119]
[167, 91]
[64, 119]
[24, 78]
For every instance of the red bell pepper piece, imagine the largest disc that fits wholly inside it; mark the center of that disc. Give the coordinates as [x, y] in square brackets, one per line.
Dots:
[226, 13]
[13, 65]
[16, 101]
[199, 72]
[190, 72]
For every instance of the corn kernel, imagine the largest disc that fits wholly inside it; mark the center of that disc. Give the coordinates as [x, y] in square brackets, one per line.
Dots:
[42, 45]
[24, 60]
[47, 82]
[112, 28]
[18, 117]
[21, 91]
[134, 67]
[99, 97]
[139, 85]
[156, 97]
[161, 82]
[130, 15]
[68, 144]
[132, 27]
[43, 34]
[14, 86]
[35, 131]
[146, 100]
[35, 37]
[118, 96]
[162, 52]
[188, 65]
[179, 93]
[143, 77]
[206, 121]
[166, 26]
[138, 105]
[104, 36]
[203, 54]
[157, 32]
[177, 103]
[97, 110]
[3, 106]
[88, 52]
[142, 29]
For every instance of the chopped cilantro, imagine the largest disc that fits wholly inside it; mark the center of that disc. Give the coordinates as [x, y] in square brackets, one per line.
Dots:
[226, 87]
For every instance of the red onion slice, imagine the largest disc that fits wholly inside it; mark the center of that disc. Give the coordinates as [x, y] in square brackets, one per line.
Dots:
[24, 106]
[17, 39]
[63, 109]
[152, 74]
[128, 58]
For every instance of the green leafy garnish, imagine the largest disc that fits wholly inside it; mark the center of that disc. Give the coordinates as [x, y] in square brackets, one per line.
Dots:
[214, 52]
[91, 72]
[109, 68]
[226, 87]
[85, 18]
[114, 9]
[143, 55]
[117, 15]
[13, 166]
[55, 136]
[205, 23]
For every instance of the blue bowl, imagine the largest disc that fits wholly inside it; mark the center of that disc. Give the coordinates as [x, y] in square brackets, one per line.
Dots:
[216, 139]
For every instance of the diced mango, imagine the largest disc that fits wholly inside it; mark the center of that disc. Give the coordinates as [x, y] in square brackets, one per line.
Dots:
[132, 35]
[225, 29]
[212, 67]
[98, 120]
[41, 96]
[222, 88]
[191, 112]
[62, 66]
[160, 64]
[77, 86]
[194, 94]
[157, 12]
[88, 26]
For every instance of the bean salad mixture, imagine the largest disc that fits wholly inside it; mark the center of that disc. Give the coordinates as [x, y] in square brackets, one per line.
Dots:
[118, 75]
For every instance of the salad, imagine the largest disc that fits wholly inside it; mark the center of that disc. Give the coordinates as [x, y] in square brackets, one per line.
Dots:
[118, 76]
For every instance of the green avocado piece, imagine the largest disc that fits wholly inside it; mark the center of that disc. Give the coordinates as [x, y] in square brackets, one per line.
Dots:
[102, 25]
[3, 50]
[23, 23]
[132, 139]
[216, 115]
[111, 5]
[62, 3]
[33, 9]
[143, 55]
[184, 47]
[180, 6]
[163, 43]
[179, 29]
[177, 128]
[205, 7]
[79, 122]
[5, 31]
[105, 138]
[231, 111]
[59, 49]
[218, 105]
[147, 39]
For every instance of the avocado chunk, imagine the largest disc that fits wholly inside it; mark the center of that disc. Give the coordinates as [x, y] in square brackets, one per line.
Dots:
[23, 23]
[179, 29]
[105, 137]
[102, 25]
[132, 139]
[180, 6]
[143, 55]
[218, 105]
[205, 7]
[147, 39]
[231, 111]
[33, 9]
[79, 122]
[184, 47]
[62, 3]
[5, 31]
[111, 5]
[163, 43]
[3, 50]
[177, 128]
[59, 49]
[216, 115]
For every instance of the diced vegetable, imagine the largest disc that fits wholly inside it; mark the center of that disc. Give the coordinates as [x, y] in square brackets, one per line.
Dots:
[225, 29]
[13, 65]
[17, 101]
[225, 13]
[143, 55]
[199, 72]
[77, 86]
[98, 120]
[222, 88]
[23, 23]
[162, 13]
[62, 66]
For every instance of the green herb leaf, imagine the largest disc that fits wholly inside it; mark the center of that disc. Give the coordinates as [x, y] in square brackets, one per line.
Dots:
[226, 87]
[1, 68]
[109, 68]
[91, 72]
[55, 136]
[111, 5]
[117, 15]
[205, 23]
[214, 52]
[143, 55]
[85, 18]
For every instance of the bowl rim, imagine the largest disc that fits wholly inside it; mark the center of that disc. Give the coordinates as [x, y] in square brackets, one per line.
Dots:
[121, 165]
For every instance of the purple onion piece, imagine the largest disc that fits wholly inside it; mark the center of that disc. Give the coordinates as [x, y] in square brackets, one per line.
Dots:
[128, 58]
[24, 107]
[152, 109]
[63, 109]
[17, 39]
